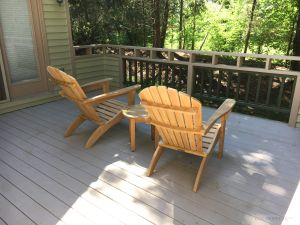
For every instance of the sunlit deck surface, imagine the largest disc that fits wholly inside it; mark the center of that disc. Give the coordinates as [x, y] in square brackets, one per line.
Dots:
[48, 179]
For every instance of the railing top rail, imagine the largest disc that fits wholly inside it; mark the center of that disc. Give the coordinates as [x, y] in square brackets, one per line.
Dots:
[239, 64]
[200, 52]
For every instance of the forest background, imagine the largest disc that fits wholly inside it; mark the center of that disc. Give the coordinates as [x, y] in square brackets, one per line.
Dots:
[252, 26]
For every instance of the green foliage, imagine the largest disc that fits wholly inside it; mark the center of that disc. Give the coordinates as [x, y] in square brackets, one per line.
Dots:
[273, 25]
[110, 21]
[226, 26]
[218, 25]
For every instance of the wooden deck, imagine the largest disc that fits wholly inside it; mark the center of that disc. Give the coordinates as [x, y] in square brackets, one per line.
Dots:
[46, 179]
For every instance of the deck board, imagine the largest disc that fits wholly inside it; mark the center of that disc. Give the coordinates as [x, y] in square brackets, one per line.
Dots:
[10, 214]
[253, 184]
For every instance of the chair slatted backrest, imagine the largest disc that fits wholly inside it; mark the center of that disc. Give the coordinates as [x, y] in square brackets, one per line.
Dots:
[176, 115]
[72, 91]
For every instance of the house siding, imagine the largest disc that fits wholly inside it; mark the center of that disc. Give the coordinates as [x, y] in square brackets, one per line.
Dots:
[58, 35]
[84, 68]
[91, 68]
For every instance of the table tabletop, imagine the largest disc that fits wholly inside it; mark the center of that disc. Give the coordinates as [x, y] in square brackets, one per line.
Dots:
[135, 112]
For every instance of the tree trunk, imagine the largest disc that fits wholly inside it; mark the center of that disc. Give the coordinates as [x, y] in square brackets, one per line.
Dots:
[204, 40]
[194, 26]
[144, 24]
[249, 26]
[164, 24]
[290, 43]
[184, 37]
[180, 25]
[156, 23]
[296, 43]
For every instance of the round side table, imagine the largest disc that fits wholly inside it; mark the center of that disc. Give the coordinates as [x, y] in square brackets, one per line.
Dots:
[137, 114]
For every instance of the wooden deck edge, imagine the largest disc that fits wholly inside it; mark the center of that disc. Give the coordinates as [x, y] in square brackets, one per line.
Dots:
[28, 102]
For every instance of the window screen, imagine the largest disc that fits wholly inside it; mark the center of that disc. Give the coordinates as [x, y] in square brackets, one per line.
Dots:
[16, 25]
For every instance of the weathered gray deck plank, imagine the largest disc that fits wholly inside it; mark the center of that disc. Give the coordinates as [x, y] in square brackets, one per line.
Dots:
[81, 206]
[251, 185]
[2, 222]
[12, 215]
[43, 197]
[95, 172]
[27, 205]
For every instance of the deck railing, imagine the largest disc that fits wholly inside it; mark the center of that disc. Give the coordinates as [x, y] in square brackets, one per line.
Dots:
[256, 81]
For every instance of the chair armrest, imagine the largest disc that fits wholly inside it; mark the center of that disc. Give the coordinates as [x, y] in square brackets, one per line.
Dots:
[223, 110]
[97, 85]
[106, 96]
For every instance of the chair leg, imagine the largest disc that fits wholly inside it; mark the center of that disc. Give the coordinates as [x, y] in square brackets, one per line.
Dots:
[221, 138]
[154, 160]
[102, 129]
[75, 124]
[95, 136]
[199, 174]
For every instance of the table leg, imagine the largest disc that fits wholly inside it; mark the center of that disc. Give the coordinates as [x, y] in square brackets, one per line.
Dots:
[132, 134]
[156, 137]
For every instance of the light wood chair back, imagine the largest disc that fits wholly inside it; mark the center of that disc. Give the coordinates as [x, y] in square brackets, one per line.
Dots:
[178, 120]
[176, 116]
[103, 109]
[72, 91]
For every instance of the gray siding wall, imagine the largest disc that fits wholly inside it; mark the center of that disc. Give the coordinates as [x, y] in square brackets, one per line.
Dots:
[57, 35]
[91, 68]
[85, 68]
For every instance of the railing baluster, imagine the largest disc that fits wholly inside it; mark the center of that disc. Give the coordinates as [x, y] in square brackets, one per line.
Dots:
[270, 84]
[282, 82]
[153, 73]
[202, 82]
[173, 76]
[159, 74]
[293, 91]
[220, 74]
[166, 75]
[130, 71]
[210, 77]
[248, 87]
[147, 74]
[141, 74]
[125, 79]
[180, 77]
[258, 88]
[237, 93]
[228, 83]
[135, 72]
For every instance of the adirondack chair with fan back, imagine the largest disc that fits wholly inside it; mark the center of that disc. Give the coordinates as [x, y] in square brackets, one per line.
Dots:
[102, 109]
[177, 118]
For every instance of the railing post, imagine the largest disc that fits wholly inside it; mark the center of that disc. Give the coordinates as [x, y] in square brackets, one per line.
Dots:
[89, 51]
[295, 104]
[268, 64]
[215, 59]
[240, 61]
[170, 56]
[190, 74]
[137, 53]
[153, 54]
[121, 67]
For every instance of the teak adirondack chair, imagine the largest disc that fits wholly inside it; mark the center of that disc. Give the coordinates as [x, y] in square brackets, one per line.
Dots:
[178, 120]
[101, 109]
